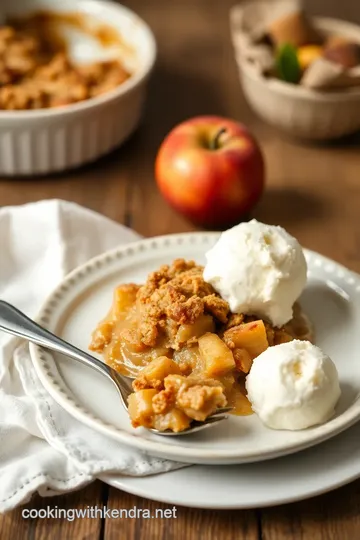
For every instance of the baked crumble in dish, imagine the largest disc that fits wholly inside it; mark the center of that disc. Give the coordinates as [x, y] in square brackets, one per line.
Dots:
[36, 70]
[188, 353]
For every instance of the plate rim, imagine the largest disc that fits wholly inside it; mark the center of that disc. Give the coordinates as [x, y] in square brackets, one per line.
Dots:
[40, 358]
[124, 483]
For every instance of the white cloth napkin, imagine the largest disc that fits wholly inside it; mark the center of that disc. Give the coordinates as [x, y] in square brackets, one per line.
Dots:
[42, 448]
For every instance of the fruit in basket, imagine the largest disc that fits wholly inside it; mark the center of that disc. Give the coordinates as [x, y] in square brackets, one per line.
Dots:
[295, 28]
[210, 169]
[287, 64]
[343, 52]
[307, 54]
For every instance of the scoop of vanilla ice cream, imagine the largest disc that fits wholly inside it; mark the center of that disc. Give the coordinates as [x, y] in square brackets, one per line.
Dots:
[293, 386]
[259, 269]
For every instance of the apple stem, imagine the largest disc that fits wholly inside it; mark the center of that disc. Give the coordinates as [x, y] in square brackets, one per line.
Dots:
[214, 144]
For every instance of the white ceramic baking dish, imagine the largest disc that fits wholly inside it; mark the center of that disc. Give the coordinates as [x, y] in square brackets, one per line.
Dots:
[48, 140]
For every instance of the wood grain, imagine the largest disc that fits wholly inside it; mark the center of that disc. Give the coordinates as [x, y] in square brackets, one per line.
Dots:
[334, 516]
[314, 191]
[14, 527]
[189, 524]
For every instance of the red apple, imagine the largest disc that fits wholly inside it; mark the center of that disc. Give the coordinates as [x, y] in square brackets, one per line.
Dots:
[211, 170]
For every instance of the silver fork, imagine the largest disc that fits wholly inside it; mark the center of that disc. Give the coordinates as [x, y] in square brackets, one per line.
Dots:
[17, 323]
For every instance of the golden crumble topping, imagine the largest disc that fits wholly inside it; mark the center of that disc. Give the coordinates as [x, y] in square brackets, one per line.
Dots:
[36, 71]
[176, 295]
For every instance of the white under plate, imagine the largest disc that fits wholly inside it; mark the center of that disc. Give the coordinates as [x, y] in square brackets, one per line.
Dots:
[292, 478]
[331, 299]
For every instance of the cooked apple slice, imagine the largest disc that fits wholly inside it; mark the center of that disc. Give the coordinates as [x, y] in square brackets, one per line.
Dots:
[175, 420]
[124, 298]
[140, 407]
[101, 336]
[249, 336]
[242, 359]
[202, 325]
[159, 368]
[217, 355]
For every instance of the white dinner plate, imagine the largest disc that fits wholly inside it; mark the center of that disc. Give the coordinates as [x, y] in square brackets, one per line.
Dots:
[331, 299]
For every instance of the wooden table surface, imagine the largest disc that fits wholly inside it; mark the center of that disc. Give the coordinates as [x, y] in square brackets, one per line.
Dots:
[313, 191]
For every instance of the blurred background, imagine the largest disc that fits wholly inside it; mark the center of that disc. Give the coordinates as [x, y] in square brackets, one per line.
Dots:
[312, 189]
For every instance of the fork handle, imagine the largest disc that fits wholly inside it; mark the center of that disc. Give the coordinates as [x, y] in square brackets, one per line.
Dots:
[17, 323]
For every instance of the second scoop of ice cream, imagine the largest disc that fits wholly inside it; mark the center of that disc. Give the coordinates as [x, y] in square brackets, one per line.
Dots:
[259, 269]
[293, 386]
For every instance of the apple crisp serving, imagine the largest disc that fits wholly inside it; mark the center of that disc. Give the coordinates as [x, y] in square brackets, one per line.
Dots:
[36, 71]
[188, 353]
